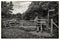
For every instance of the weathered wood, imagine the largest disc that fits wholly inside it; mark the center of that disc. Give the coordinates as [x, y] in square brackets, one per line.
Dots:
[42, 19]
[41, 27]
[37, 28]
[55, 25]
[51, 26]
[52, 23]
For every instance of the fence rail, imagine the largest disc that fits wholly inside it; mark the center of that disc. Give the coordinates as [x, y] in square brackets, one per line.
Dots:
[39, 22]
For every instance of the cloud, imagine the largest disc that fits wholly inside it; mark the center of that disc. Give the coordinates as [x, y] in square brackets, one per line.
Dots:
[20, 6]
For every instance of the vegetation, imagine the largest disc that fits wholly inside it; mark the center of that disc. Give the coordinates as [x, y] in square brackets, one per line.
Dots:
[36, 8]
[6, 8]
[41, 9]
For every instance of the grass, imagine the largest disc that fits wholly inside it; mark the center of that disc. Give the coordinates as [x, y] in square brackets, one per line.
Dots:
[16, 31]
[20, 33]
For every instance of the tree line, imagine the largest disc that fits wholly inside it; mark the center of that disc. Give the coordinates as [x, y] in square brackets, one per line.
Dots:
[36, 8]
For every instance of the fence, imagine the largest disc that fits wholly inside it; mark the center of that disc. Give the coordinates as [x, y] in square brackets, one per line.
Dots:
[41, 22]
[38, 24]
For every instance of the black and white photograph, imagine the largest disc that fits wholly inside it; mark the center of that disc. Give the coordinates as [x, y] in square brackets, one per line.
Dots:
[30, 19]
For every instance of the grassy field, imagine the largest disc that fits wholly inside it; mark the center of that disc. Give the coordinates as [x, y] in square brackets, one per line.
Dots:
[18, 31]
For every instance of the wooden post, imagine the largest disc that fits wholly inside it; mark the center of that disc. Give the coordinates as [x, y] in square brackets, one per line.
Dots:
[37, 28]
[51, 26]
[41, 27]
[48, 19]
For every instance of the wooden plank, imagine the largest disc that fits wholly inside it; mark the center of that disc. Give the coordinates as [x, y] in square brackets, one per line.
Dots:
[42, 19]
[55, 25]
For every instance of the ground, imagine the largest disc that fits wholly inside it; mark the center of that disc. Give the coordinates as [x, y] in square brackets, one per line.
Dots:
[16, 31]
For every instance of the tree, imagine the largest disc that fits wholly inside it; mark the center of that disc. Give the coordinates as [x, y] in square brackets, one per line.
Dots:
[35, 9]
[19, 16]
[6, 8]
[41, 9]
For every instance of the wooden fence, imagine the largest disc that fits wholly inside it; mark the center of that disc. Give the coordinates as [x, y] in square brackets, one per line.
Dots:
[39, 23]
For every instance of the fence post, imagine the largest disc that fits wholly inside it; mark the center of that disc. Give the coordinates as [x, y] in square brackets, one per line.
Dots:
[41, 27]
[51, 26]
[37, 29]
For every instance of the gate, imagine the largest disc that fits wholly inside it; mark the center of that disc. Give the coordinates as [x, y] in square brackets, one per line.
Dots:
[41, 22]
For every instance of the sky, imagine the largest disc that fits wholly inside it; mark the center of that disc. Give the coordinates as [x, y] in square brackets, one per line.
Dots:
[20, 6]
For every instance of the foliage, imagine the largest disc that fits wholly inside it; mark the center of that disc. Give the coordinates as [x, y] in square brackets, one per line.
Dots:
[6, 8]
[41, 9]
